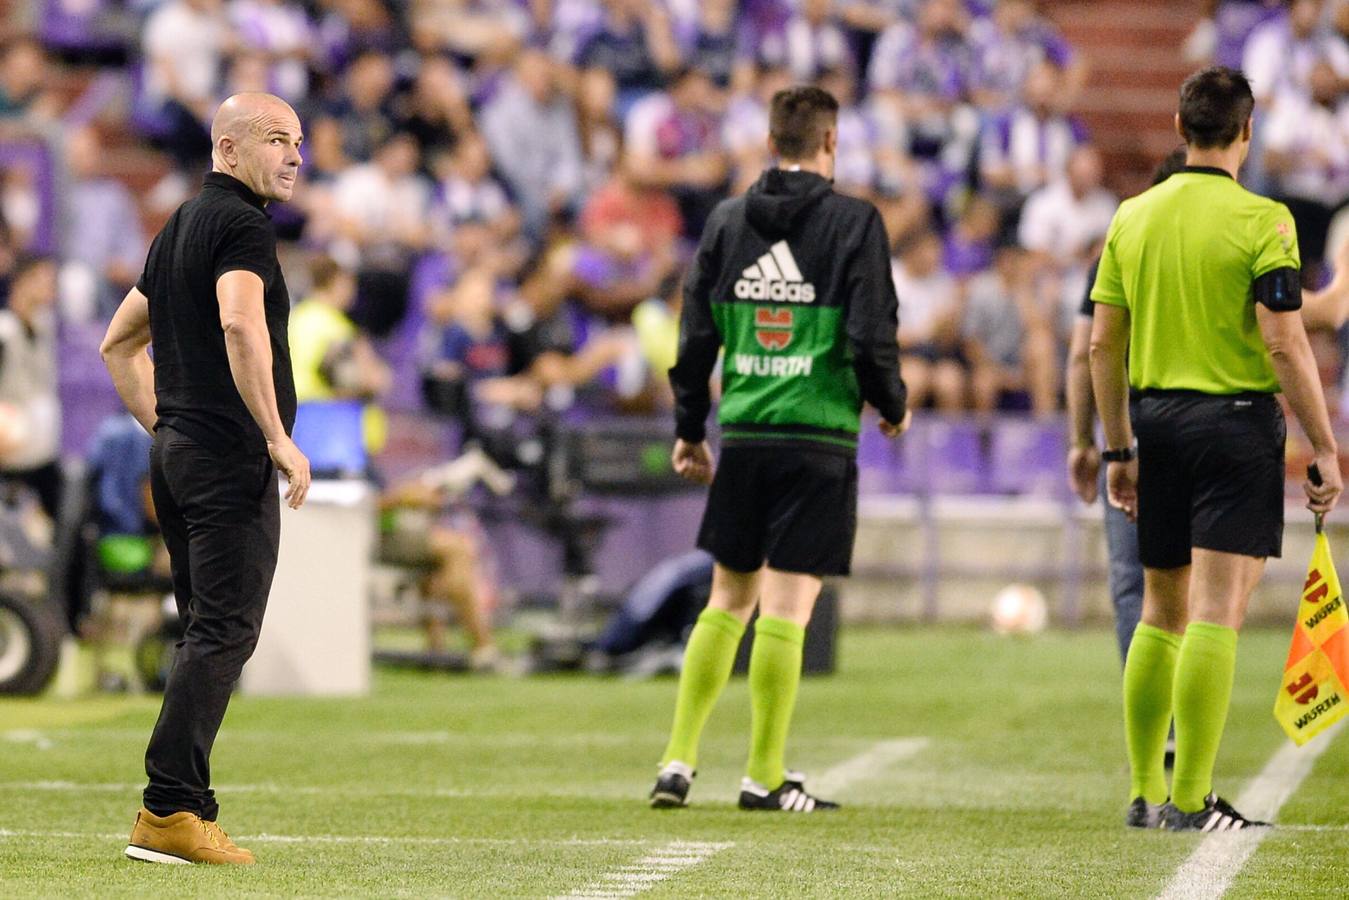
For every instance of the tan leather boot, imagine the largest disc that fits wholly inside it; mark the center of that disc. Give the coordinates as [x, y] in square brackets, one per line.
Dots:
[183, 838]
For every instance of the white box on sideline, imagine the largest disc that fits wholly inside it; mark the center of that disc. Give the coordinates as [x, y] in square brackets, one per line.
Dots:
[316, 634]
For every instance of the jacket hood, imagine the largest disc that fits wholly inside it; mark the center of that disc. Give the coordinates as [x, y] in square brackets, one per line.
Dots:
[779, 199]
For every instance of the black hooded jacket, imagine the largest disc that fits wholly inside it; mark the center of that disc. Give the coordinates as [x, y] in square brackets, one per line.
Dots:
[794, 281]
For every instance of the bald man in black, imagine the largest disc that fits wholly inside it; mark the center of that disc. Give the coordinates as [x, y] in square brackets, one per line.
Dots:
[219, 398]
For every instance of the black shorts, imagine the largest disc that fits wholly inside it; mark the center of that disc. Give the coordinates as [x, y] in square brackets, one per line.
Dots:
[794, 508]
[1210, 475]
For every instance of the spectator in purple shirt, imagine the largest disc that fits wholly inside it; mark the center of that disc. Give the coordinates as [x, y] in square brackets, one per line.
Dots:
[281, 31]
[672, 142]
[1029, 146]
[716, 45]
[635, 44]
[103, 243]
[968, 248]
[809, 42]
[921, 72]
[363, 113]
[1010, 43]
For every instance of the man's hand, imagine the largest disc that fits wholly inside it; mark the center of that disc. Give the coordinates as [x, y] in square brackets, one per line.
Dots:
[891, 430]
[1084, 465]
[1322, 498]
[693, 461]
[1121, 482]
[295, 466]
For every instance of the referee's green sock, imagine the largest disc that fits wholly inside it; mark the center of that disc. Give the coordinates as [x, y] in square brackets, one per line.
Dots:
[1148, 674]
[774, 675]
[708, 659]
[1203, 691]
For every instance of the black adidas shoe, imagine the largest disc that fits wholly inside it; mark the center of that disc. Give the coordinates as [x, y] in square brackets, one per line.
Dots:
[1143, 814]
[672, 787]
[790, 796]
[1217, 815]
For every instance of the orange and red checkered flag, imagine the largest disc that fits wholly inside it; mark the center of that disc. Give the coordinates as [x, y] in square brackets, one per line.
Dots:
[1313, 694]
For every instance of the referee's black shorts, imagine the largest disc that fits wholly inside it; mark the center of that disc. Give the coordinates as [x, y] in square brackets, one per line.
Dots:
[1210, 475]
[791, 507]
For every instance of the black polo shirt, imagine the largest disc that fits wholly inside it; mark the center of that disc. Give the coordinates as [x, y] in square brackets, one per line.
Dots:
[225, 228]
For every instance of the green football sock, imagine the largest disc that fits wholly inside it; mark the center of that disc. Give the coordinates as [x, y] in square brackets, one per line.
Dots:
[1203, 690]
[708, 659]
[1148, 674]
[774, 674]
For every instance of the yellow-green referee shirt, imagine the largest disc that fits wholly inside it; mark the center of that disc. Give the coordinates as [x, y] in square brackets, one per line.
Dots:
[1181, 258]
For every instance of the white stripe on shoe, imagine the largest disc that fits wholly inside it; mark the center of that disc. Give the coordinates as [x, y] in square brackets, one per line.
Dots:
[145, 854]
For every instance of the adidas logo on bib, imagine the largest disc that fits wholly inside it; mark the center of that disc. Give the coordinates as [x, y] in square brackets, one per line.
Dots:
[775, 277]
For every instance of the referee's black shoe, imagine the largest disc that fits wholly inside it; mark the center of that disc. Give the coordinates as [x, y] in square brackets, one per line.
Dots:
[1217, 815]
[1143, 814]
[672, 786]
[790, 796]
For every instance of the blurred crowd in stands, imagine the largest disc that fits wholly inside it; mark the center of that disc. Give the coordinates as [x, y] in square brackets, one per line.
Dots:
[503, 193]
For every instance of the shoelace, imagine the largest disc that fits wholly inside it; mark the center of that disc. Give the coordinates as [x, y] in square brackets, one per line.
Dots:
[209, 829]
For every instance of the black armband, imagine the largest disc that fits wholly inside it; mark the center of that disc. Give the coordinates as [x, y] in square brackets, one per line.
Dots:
[1279, 290]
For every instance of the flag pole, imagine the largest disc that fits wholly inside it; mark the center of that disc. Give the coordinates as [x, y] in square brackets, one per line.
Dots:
[1314, 476]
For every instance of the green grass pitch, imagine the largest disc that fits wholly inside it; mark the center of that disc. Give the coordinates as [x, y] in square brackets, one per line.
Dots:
[1014, 786]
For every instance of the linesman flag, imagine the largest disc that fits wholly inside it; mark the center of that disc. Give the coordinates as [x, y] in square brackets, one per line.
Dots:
[1313, 694]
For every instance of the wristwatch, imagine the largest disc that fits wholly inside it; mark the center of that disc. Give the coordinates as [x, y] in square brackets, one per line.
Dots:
[1124, 454]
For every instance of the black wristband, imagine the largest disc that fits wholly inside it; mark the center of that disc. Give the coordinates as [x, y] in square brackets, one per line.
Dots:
[1125, 454]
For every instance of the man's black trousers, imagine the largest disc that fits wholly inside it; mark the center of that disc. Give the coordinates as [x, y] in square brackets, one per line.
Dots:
[221, 520]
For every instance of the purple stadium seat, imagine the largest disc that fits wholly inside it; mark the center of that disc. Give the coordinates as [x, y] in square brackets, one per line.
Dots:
[1026, 457]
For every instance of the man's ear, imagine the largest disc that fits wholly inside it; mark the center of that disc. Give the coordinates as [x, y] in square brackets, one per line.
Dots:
[1180, 129]
[227, 149]
[831, 140]
[772, 148]
[1247, 130]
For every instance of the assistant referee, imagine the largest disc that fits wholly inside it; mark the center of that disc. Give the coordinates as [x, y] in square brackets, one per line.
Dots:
[1199, 286]
[219, 399]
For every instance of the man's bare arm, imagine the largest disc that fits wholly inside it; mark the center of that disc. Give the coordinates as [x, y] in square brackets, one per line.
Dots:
[1328, 308]
[125, 350]
[249, 348]
[1109, 379]
[1291, 355]
[1084, 458]
[1081, 401]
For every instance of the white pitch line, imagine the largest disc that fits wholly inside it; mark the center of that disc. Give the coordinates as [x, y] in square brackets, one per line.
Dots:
[612, 792]
[661, 864]
[265, 838]
[866, 764]
[1209, 871]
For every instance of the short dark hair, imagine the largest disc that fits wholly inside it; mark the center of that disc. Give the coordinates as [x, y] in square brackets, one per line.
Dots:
[27, 261]
[323, 271]
[798, 119]
[1215, 104]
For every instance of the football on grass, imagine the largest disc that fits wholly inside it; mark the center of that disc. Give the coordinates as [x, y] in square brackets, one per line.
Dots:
[1019, 609]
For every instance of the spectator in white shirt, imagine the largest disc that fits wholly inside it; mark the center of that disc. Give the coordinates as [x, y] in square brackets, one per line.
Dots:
[929, 324]
[1307, 156]
[1061, 221]
[185, 43]
[381, 210]
[1280, 54]
[530, 127]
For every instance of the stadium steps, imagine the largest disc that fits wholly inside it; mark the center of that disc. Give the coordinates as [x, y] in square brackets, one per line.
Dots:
[1134, 49]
